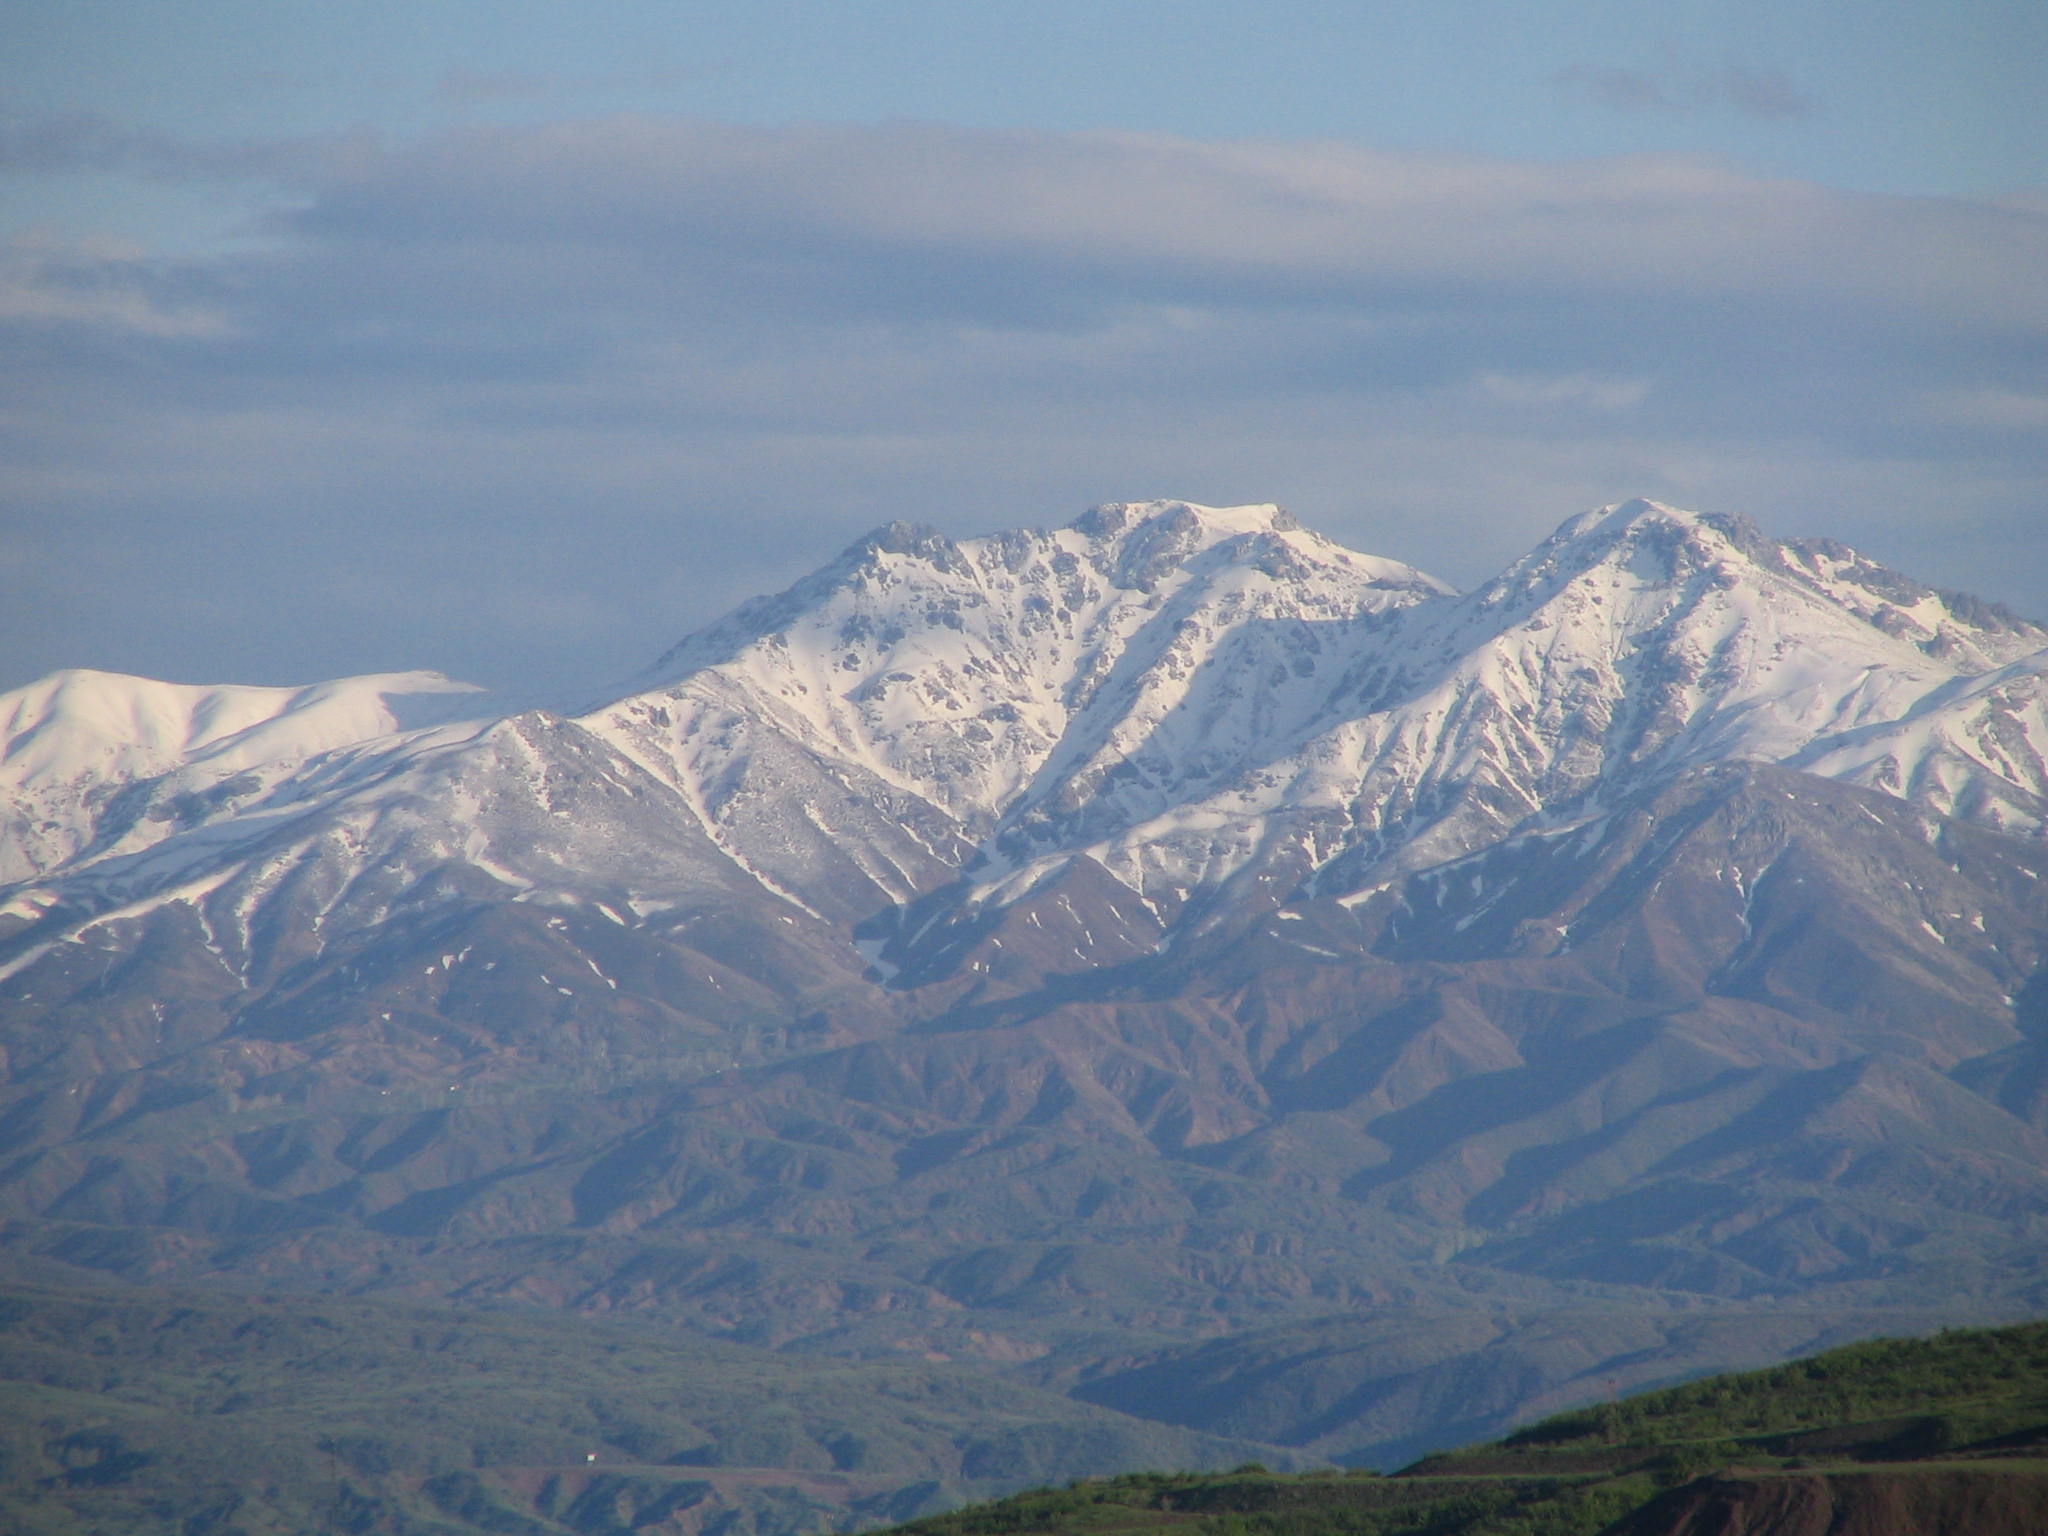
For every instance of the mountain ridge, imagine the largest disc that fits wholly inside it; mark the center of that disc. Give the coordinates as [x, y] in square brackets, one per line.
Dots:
[915, 746]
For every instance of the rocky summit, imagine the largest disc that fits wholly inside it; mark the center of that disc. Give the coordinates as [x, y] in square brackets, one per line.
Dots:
[1170, 963]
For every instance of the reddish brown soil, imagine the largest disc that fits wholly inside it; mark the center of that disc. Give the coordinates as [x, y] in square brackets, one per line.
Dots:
[1996, 1500]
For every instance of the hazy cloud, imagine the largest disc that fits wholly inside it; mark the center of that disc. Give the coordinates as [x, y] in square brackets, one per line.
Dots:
[916, 222]
[1577, 389]
[1676, 87]
[96, 285]
[91, 143]
[490, 85]
[2003, 410]
[656, 364]
[1763, 92]
[458, 85]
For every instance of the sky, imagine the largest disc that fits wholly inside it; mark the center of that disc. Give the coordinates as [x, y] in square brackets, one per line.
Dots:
[517, 340]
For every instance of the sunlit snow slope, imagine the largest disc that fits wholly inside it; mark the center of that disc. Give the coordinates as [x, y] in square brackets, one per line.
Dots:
[1210, 711]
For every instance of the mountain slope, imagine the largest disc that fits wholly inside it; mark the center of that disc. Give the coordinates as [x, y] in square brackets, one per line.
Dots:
[1107, 957]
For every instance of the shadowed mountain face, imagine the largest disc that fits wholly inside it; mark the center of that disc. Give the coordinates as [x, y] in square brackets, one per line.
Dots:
[1171, 960]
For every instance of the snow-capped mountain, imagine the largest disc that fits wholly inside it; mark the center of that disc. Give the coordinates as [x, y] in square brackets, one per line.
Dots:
[77, 740]
[1212, 705]
[1053, 947]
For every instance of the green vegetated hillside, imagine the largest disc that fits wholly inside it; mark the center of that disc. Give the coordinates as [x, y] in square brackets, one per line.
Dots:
[1896, 1437]
[216, 1414]
[209, 1413]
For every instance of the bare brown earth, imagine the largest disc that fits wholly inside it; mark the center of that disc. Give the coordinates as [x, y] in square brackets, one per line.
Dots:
[1944, 1499]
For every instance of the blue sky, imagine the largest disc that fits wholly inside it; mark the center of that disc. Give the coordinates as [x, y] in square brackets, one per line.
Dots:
[516, 339]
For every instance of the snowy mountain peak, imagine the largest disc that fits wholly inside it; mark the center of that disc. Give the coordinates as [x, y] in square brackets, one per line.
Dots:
[1134, 542]
[1636, 509]
[81, 725]
[69, 739]
[149, 721]
[1618, 513]
[1113, 519]
[1189, 701]
[1658, 542]
[1637, 639]
[985, 673]
[1645, 547]
[1129, 547]
[919, 541]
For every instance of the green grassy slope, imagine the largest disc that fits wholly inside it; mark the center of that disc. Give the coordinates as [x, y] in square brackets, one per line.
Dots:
[1932, 1416]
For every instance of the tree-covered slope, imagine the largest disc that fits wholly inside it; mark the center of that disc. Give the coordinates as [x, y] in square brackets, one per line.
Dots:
[1895, 1437]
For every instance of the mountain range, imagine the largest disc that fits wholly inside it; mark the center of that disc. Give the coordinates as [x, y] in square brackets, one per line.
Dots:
[1171, 961]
